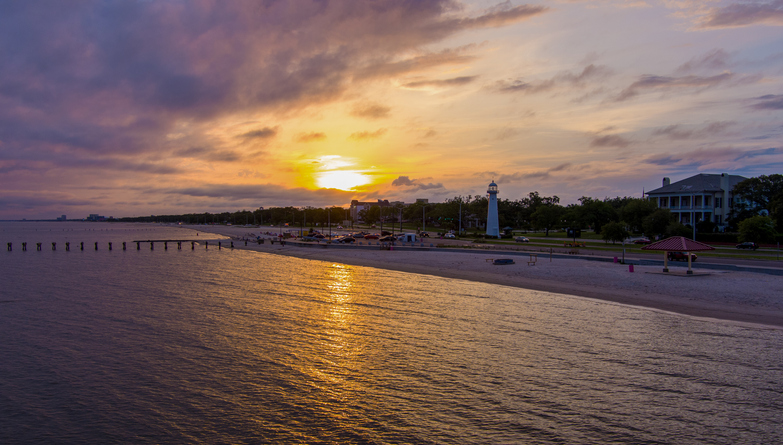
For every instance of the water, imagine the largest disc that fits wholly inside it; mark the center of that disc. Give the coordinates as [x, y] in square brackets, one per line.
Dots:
[222, 346]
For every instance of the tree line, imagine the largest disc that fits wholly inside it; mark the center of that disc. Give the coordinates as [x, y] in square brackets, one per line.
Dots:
[755, 216]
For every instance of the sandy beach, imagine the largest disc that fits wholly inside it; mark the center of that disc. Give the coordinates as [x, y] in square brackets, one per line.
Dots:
[743, 297]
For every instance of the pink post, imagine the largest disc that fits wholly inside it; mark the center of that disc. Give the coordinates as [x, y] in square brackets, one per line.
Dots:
[630, 268]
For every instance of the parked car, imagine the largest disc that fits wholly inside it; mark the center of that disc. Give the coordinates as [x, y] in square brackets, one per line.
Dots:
[642, 241]
[345, 240]
[450, 236]
[521, 239]
[424, 234]
[358, 235]
[748, 245]
[388, 239]
[371, 236]
[680, 256]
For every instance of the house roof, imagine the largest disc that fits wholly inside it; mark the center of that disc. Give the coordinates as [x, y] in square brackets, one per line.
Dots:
[703, 182]
[678, 244]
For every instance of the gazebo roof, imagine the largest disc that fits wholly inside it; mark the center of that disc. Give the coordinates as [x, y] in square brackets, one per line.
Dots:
[677, 244]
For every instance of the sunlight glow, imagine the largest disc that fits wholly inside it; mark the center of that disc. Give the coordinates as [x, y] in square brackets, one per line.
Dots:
[341, 179]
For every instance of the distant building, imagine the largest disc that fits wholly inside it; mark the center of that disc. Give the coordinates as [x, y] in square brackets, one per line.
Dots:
[704, 197]
[96, 217]
[62, 218]
[357, 206]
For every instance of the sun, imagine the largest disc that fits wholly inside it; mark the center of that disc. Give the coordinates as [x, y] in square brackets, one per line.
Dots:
[341, 179]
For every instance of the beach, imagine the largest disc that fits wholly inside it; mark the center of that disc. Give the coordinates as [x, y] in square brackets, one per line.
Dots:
[742, 297]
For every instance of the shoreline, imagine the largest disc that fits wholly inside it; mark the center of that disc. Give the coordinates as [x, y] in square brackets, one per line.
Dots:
[741, 297]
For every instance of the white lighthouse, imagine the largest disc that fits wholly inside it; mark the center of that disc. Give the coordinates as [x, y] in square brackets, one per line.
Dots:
[493, 226]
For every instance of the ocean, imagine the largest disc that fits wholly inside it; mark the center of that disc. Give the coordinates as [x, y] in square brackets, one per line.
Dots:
[233, 346]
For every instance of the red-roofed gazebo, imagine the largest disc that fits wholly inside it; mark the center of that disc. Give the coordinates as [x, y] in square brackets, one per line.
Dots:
[677, 244]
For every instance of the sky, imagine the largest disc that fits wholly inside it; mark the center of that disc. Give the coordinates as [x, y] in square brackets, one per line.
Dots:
[132, 108]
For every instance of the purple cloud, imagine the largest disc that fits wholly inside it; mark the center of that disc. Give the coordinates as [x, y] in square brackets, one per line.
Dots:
[745, 14]
[665, 83]
[456, 81]
[565, 79]
[610, 140]
[769, 102]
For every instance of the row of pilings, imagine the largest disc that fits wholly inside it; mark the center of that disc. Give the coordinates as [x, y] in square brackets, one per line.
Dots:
[80, 246]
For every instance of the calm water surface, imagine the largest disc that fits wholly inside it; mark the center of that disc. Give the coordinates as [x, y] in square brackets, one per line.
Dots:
[209, 346]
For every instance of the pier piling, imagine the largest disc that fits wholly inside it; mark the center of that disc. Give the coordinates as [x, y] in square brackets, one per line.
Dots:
[67, 247]
[232, 244]
[10, 247]
[192, 245]
[123, 245]
[152, 245]
[54, 246]
[81, 246]
[96, 245]
[24, 247]
[179, 245]
[206, 244]
[138, 245]
[165, 245]
[38, 246]
[109, 246]
[219, 246]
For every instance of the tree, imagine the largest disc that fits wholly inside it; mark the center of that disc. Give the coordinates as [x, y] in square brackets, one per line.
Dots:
[614, 232]
[657, 222]
[758, 229]
[635, 211]
[676, 228]
[548, 216]
[761, 193]
[596, 213]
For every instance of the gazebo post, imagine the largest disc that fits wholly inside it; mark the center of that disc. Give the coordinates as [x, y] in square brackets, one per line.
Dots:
[690, 271]
[665, 261]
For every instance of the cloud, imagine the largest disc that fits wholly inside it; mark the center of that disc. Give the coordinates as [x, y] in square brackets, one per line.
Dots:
[680, 132]
[265, 194]
[415, 184]
[517, 177]
[725, 158]
[665, 83]
[610, 140]
[444, 83]
[209, 154]
[367, 135]
[769, 102]
[155, 78]
[263, 133]
[566, 79]
[310, 137]
[370, 111]
[717, 59]
[744, 14]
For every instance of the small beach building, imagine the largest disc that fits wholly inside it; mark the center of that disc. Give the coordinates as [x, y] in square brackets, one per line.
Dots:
[407, 238]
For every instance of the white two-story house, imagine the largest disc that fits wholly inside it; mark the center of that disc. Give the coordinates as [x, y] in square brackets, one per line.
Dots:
[704, 197]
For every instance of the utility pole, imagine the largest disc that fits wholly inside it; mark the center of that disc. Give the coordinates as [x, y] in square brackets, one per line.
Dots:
[460, 216]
